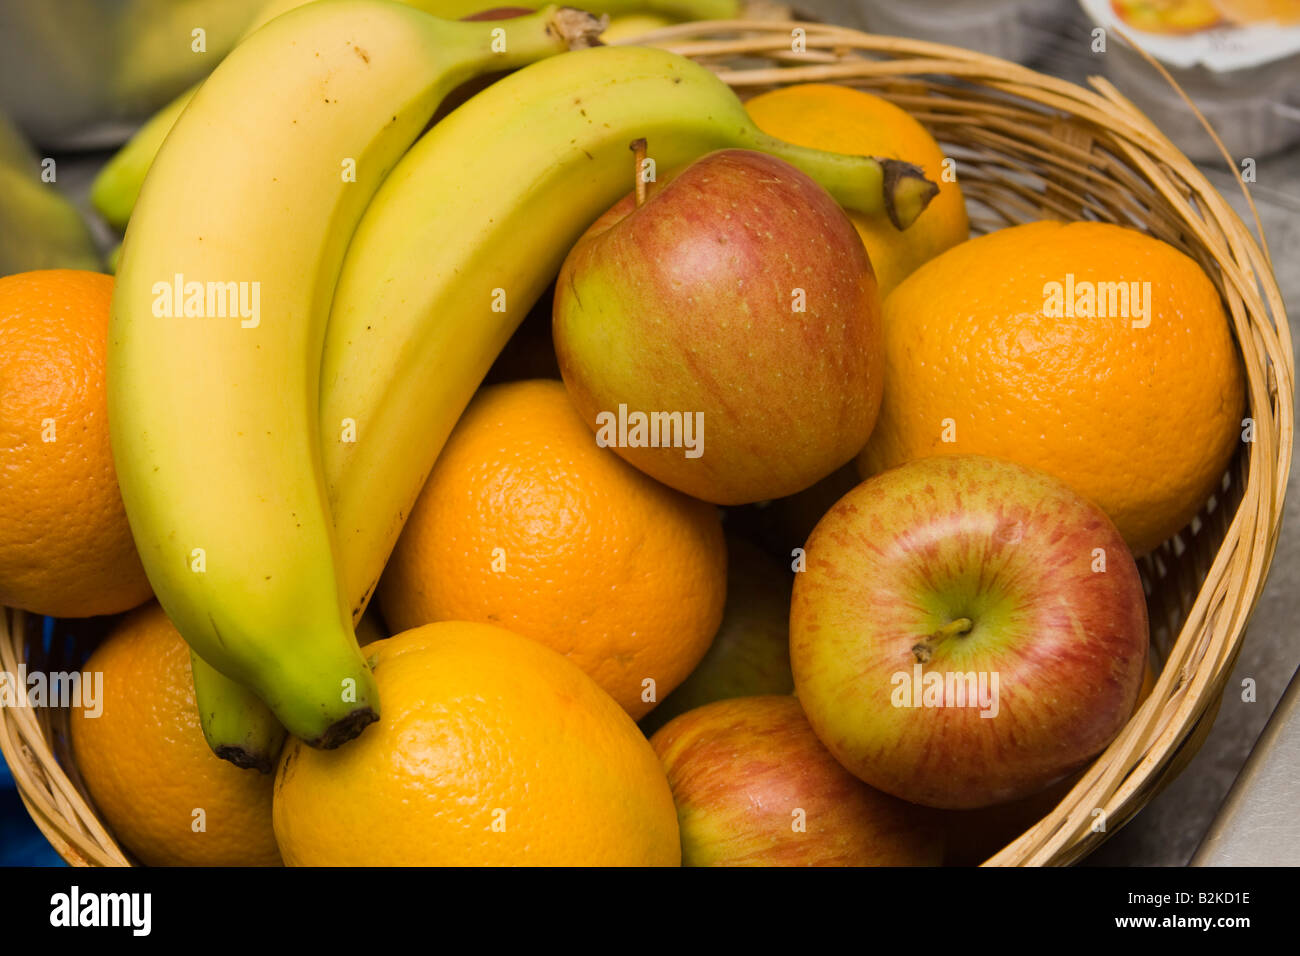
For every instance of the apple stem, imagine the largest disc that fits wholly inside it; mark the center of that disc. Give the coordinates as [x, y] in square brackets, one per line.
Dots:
[925, 649]
[638, 148]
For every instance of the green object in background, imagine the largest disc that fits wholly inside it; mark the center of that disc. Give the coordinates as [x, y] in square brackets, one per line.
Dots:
[39, 227]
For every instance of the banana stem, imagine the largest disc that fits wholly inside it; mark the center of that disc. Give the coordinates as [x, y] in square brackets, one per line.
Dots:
[862, 183]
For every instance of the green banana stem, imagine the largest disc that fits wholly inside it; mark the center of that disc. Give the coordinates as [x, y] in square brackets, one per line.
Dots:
[862, 183]
[237, 725]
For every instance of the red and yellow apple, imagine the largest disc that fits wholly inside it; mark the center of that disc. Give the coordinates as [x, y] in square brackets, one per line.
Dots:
[754, 787]
[972, 836]
[967, 631]
[738, 295]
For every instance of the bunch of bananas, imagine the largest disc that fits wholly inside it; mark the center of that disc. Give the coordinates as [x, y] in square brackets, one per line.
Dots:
[311, 288]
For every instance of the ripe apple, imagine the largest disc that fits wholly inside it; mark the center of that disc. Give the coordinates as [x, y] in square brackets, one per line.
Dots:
[737, 295]
[972, 836]
[750, 654]
[967, 632]
[755, 787]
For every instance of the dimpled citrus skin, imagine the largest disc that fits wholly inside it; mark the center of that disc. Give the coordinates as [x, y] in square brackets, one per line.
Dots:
[843, 120]
[148, 767]
[65, 547]
[1142, 421]
[491, 750]
[619, 573]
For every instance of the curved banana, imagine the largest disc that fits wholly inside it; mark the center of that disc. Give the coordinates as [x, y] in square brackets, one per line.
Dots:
[117, 187]
[471, 226]
[224, 285]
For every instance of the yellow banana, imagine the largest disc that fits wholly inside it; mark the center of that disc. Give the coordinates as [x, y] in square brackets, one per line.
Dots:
[223, 289]
[469, 228]
[116, 188]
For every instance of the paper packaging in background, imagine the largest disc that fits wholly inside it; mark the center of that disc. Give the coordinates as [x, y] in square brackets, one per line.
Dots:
[1238, 60]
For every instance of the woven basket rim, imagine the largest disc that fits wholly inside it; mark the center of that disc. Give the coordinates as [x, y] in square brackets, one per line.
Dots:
[1165, 732]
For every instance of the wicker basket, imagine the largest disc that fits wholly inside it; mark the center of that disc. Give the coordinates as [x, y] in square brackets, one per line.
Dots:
[1029, 147]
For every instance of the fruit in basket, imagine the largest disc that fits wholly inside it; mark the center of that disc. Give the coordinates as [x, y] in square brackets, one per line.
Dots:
[845, 120]
[738, 298]
[755, 787]
[215, 340]
[165, 796]
[117, 187]
[1090, 351]
[750, 653]
[968, 630]
[492, 750]
[65, 546]
[526, 523]
[402, 307]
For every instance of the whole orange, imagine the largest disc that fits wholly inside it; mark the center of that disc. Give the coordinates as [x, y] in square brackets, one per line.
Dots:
[148, 768]
[65, 547]
[492, 750]
[527, 523]
[843, 120]
[1139, 409]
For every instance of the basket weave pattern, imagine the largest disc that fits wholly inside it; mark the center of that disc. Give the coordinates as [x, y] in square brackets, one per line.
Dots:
[1028, 147]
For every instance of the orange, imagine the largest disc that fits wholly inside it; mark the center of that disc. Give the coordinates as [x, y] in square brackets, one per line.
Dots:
[843, 120]
[1138, 412]
[65, 547]
[166, 796]
[527, 523]
[491, 750]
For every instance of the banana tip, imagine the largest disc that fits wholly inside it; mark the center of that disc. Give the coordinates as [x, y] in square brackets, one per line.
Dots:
[341, 731]
[907, 191]
[246, 759]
